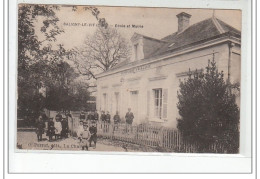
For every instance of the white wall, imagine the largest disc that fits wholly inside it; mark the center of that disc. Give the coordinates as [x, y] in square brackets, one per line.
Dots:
[167, 69]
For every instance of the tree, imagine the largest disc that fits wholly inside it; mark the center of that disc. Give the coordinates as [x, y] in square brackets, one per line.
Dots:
[39, 58]
[208, 110]
[31, 55]
[60, 82]
[100, 52]
[80, 95]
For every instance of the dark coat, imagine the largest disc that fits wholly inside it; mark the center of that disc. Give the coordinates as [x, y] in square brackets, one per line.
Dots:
[93, 130]
[51, 128]
[116, 119]
[90, 117]
[58, 117]
[40, 125]
[129, 117]
[64, 124]
[96, 116]
[108, 117]
[103, 117]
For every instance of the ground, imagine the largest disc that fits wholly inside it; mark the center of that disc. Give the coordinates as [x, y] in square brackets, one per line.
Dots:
[28, 140]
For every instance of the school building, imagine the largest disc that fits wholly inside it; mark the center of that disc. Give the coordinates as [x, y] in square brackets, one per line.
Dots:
[148, 82]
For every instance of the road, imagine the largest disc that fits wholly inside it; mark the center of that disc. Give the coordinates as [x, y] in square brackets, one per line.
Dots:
[28, 141]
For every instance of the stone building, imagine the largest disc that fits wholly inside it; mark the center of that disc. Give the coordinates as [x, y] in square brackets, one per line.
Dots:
[149, 81]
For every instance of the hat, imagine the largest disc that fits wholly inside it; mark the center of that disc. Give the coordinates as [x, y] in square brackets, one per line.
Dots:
[85, 123]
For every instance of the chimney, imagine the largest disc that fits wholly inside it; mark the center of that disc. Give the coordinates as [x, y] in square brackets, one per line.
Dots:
[183, 21]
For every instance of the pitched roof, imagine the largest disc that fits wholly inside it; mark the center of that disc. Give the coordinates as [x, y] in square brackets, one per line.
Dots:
[197, 32]
[204, 30]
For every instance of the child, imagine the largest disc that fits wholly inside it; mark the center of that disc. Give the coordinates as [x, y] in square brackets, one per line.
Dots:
[40, 125]
[84, 137]
[93, 133]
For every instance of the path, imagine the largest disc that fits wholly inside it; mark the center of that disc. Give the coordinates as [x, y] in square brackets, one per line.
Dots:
[28, 140]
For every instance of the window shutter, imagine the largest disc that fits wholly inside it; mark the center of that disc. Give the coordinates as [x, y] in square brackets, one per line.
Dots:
[148, 103]
[165, 100]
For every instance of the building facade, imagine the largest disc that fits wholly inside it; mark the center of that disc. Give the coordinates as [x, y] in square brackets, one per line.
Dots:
[148, 82]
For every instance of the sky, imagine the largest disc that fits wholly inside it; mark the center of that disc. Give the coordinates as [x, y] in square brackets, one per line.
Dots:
[153, 22]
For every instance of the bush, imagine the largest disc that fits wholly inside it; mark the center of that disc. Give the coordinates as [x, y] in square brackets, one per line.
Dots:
[208, 110]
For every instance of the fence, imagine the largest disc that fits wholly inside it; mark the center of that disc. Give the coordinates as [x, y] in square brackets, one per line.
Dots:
[165, 139]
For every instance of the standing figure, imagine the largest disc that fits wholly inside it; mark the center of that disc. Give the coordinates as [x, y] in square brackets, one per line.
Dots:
[116, 120]
[70, 122]
[58, 116]
[103, 119]
[129, 117]
[80, 129]
[84, 137]
[90, 117]
[108, 117]
[96, 116]
[82, 116]
[40, 125]
[51, 129]
[103, 116]
[64, 125]
[58, 128]
[93, 133]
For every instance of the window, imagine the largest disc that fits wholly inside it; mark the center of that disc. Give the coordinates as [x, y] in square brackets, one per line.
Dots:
[105, 102]
[117, 101]
[158, 103]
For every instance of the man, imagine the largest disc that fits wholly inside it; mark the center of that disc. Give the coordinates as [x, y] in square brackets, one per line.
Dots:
[93, 133]
[84, 137]
[103, 116]
[82, 116]
[129, 117]
[108, 117]
[40, 125]
[116, 120]
[96, 116]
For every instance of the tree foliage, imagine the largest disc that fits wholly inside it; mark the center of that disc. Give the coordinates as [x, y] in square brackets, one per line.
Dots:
[42, 61]
[208, 109]
[100, 52]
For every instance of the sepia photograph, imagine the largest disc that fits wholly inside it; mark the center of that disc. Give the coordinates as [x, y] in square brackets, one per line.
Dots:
[128, 79]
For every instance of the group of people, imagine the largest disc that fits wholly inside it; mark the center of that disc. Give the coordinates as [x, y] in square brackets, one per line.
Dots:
[58, 128]
[86, 131]
[106, 117]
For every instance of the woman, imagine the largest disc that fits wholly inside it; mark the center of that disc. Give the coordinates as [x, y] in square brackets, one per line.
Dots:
[51, 129]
